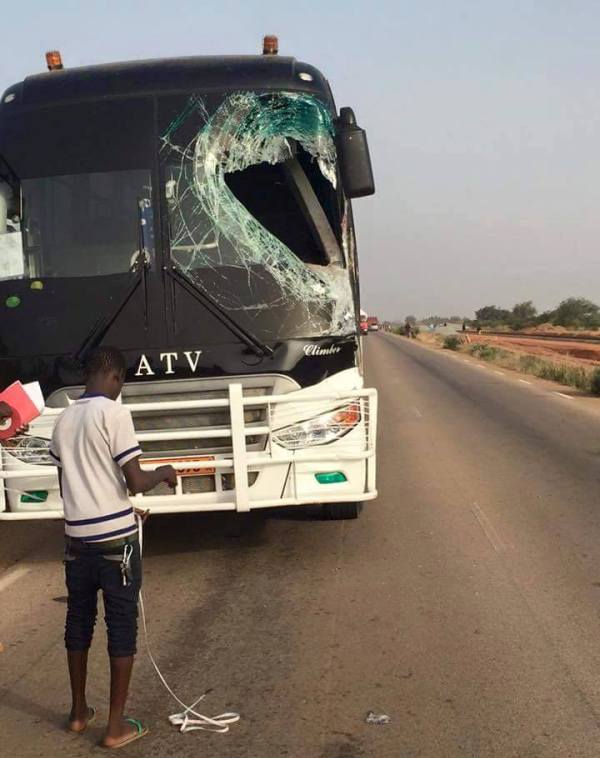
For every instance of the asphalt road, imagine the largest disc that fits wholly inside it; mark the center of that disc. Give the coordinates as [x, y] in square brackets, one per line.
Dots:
[464, 603]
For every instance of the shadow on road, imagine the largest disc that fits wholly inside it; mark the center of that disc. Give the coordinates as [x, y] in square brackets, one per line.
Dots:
[31, 709]
[164, 534]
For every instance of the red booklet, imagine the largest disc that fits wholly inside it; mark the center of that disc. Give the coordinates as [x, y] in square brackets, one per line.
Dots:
[26, 401]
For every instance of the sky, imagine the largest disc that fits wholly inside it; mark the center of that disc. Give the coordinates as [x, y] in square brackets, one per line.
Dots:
[483, 121]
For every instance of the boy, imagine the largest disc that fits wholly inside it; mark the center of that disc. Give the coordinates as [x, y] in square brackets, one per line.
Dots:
[95, 448]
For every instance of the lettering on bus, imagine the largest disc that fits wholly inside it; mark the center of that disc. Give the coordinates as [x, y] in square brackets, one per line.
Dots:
[145, 369]
[316, 350]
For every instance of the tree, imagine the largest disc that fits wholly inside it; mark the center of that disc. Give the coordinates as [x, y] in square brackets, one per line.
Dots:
[489, 314]
[525, 311]
[523, 314]
[577, 312]
[412, 320]
[546, 317]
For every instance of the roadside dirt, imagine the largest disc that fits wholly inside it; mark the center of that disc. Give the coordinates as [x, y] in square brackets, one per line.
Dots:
[577, 353]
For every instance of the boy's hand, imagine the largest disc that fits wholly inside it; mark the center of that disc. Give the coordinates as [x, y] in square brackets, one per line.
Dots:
[5, 410]
[169, 475]
[143, 514]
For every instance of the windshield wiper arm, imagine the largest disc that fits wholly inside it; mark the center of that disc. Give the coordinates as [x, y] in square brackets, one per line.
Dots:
[103, 324]
[213, 307]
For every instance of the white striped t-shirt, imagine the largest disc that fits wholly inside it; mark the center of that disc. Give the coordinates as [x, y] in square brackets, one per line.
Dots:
[92, 439]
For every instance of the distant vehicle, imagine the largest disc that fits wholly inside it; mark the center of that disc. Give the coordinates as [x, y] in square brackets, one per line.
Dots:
[373, 324]
[364, 322]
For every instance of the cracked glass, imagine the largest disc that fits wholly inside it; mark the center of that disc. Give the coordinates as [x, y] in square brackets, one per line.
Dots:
[256, 218]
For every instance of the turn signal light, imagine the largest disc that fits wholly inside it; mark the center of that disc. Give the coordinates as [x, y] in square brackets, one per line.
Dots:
[348, 416]
[54, 60]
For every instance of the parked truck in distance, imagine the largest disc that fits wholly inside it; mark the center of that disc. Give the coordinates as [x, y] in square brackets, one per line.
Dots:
[364, 322]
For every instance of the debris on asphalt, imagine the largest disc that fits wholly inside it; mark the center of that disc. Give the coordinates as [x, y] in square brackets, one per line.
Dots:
[378, 718]
[1, 648]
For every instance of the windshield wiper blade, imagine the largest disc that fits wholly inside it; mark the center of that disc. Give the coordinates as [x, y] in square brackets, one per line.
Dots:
[103, 324]
[213, 307]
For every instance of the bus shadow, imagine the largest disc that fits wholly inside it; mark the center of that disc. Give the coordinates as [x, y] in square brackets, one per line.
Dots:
[195, 532]
[164, 534]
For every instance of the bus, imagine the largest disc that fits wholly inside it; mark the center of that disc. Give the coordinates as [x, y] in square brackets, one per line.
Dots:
[196, 214]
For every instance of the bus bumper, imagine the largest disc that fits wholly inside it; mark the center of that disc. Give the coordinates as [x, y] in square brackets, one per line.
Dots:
[342, 470]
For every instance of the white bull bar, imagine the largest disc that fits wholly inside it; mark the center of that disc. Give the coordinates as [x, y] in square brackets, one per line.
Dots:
[353, 448]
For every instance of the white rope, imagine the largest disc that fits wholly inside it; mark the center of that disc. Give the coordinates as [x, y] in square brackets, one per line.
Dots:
[188, 720]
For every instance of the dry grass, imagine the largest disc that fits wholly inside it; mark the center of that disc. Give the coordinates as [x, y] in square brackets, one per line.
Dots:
[580, 377]
[429, 338]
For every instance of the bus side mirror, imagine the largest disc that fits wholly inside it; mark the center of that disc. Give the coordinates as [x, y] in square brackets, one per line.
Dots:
[353, 156]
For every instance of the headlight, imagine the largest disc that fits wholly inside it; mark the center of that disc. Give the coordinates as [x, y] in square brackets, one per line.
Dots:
[34, 450]
[319, 430]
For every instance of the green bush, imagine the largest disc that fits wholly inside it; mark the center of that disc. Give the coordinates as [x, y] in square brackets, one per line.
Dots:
[595, 382]
[451, 342]
[485, 352]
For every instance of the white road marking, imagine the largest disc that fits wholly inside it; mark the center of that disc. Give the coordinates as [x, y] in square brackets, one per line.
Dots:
[499, 372]
[488, 529]
[12, 577]
[524, 381]
[418, 413]
[562, 394]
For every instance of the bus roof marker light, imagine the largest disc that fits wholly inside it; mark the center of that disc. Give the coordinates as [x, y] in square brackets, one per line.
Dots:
[270, 45]
[306, 77]
[10, 97]
[54, 60]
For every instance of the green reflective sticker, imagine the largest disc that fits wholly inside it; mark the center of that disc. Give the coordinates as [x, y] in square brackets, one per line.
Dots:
[12, 301]
[331, 477]
[34, 496]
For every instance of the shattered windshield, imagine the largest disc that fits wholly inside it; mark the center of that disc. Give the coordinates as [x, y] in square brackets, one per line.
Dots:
[255, 216]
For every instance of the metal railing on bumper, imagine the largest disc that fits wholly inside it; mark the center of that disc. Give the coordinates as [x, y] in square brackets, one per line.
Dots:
[306, 433]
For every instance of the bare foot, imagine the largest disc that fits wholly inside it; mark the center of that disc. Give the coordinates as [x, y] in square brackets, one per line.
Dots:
[78, 722]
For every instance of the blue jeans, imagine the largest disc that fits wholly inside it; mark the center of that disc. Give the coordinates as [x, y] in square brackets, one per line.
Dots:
[88, 571]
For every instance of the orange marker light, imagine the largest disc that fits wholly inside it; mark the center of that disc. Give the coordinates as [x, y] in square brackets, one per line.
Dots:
[270, 45]
[53, 60]
[348, 416]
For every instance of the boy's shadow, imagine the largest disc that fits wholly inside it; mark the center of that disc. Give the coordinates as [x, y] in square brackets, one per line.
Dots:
[34, 712]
